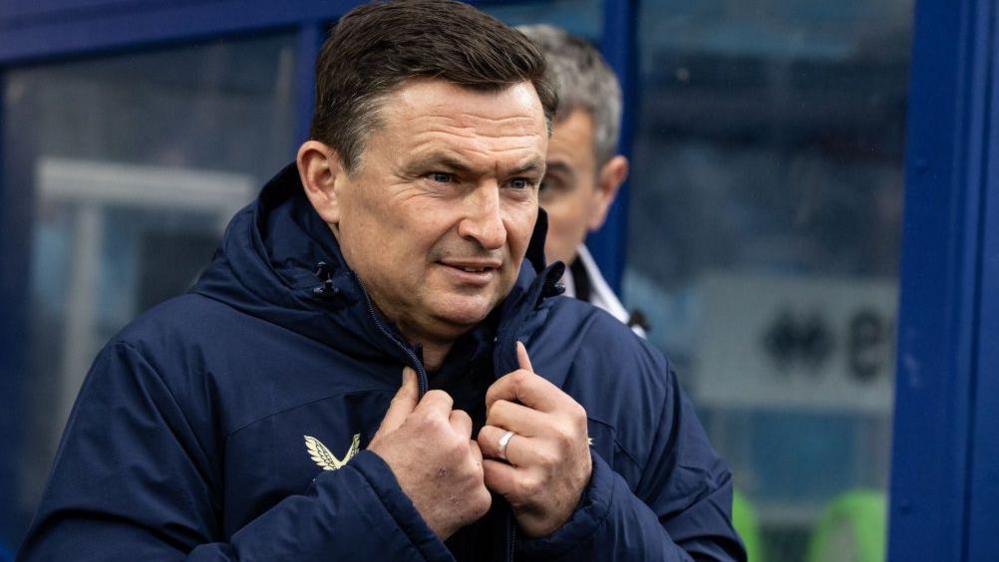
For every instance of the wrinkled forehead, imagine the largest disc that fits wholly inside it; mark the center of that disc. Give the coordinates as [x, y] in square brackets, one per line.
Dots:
[517, 102]
[434, 114]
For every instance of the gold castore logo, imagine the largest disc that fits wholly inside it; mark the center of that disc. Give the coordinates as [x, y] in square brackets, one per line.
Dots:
[327, 460]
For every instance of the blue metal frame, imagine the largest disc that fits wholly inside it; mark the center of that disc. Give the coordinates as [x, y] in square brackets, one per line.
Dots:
[944, 470]
[983, 493]
[31, 31]
[609, 245]
[14, 245]
[63, 31]
[9, 361]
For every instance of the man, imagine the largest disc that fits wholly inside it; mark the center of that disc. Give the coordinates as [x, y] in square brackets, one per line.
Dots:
[584, 170]
[262, 416]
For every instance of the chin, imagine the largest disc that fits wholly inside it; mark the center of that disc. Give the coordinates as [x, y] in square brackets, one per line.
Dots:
[466, 317]
[466, 311]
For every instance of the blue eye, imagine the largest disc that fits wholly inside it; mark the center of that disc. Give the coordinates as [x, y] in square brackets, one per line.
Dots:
[440, 177]
[520, 183]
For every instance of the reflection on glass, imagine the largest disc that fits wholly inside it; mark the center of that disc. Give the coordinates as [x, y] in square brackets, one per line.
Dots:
[130, 168]
[136, 235]
[764, 242]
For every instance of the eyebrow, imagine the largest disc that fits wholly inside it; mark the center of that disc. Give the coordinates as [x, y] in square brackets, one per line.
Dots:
[560, 168]
[450, 164]
[440, 161]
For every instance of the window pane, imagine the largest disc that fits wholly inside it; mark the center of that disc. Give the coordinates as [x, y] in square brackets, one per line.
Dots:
[764, 230]
[127, 169]
[583, 18]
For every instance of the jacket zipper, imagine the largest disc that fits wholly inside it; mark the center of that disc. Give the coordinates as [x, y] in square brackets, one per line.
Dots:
[423, 384]
[421, 373]
[512, 538]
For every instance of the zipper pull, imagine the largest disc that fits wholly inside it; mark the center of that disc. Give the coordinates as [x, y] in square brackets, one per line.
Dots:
[552, 285]
[327, 290]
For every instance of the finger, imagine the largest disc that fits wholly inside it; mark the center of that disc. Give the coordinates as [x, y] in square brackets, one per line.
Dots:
[501, 478]
[462, 423]
[476, 455]
[403, 402]
[522, 358]
[517, 448]
[436, 403]
[476, 451]
[527, 388]
[518, 418]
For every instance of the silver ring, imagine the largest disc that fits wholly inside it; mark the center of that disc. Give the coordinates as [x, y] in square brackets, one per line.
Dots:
[503, 442]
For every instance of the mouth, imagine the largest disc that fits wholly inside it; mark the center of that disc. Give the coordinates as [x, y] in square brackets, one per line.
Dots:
[471, 273]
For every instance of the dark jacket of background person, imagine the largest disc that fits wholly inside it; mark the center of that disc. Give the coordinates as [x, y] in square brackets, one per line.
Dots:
[189, 438]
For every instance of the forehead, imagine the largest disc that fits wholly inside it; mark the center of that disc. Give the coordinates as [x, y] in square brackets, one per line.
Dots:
[429, 115]
[573, 133]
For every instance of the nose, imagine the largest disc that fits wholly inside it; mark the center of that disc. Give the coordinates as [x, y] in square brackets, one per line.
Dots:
[483, 220]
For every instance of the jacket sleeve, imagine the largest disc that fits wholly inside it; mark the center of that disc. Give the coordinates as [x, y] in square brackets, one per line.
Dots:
[133, 481]
[679, 511]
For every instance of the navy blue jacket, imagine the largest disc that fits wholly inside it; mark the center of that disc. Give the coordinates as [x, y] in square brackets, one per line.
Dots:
[189, 438]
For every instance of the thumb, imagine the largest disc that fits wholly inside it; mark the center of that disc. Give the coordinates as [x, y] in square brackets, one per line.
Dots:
[403, 403]
[522, 358]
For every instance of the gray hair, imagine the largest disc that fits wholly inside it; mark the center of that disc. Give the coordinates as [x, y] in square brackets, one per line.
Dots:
[584, 81]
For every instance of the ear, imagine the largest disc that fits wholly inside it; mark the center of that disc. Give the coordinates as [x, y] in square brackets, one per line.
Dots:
[609, 181]
[321, 173]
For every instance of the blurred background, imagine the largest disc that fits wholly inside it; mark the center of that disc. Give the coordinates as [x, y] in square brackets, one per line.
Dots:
[759, 233]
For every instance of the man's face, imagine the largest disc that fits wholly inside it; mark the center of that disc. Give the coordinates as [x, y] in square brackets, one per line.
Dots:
[437, 217]
[575, 194]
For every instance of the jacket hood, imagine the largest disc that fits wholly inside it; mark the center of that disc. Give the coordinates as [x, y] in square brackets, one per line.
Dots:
[280, 262]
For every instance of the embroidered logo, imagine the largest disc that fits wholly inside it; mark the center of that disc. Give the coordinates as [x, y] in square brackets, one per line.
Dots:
[324, 458]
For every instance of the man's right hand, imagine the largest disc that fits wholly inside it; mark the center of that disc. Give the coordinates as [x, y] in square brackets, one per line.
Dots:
[430, 450]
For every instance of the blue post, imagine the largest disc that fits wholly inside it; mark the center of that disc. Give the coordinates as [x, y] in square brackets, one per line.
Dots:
[944, 430]
[983, 493]
[17, 158]
[9, 386]
[609, 245]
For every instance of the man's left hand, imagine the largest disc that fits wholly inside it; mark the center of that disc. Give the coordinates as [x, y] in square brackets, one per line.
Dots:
[547, 460]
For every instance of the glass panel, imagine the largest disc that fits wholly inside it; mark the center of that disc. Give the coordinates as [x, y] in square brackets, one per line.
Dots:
[764, 243]
[583, 18]
[128, 168]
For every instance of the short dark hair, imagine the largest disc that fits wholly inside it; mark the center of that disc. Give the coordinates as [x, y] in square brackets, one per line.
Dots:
[373, 49]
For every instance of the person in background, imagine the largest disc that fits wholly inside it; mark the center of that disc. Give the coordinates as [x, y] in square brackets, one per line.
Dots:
[584, 169]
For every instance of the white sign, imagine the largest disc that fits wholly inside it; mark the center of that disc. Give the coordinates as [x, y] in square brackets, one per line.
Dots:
[772, 342]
